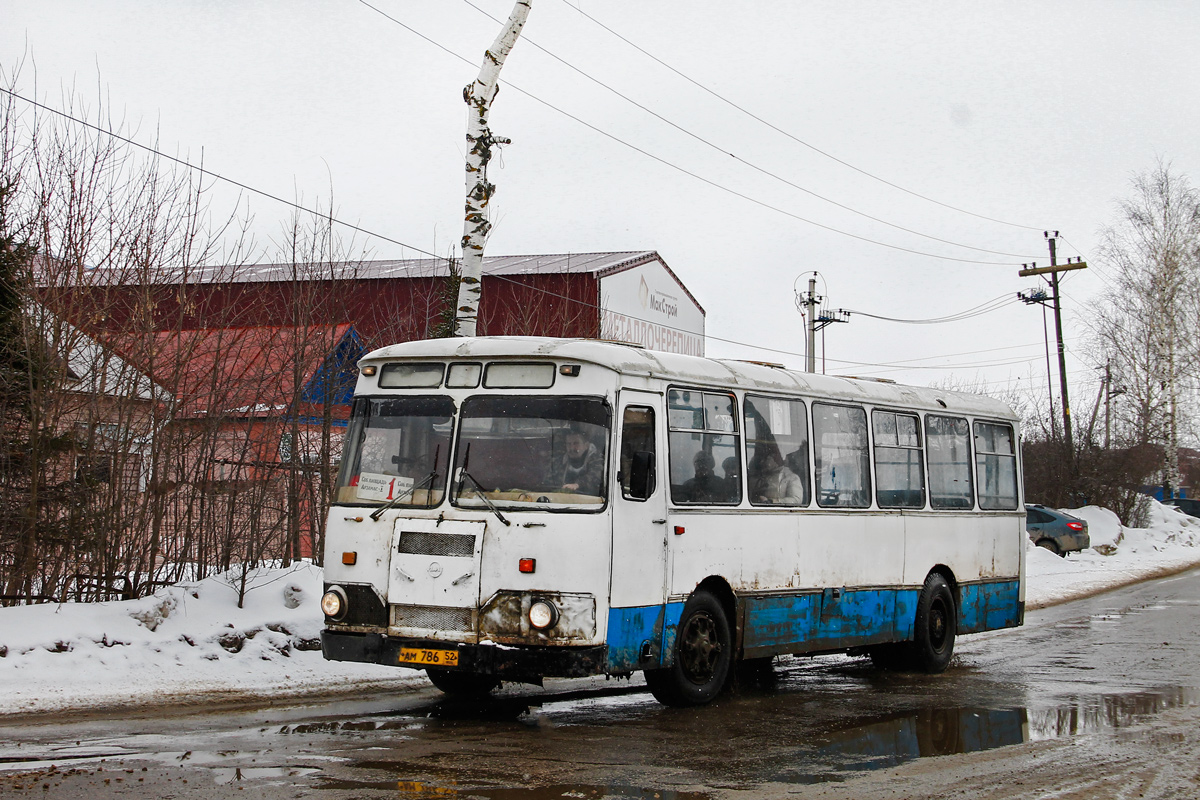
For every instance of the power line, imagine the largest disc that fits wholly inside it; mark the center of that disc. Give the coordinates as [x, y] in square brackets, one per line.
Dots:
[367, 232]
[214, 175]
[739, 159]
[983, 308]
[794, 138]
[678, 168]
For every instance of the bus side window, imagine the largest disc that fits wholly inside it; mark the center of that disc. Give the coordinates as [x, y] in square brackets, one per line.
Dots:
[948, 443]
[841, 456]
[776, 451]
[637, 453]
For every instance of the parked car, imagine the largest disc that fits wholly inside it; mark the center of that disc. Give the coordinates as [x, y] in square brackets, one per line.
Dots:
[1187, 505]
[1055, 530]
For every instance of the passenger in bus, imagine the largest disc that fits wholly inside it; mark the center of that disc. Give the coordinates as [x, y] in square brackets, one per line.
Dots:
[733, 478]
[776, 483]
[705, 486]
[582, 465]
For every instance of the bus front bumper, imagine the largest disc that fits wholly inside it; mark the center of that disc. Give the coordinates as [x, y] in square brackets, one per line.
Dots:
[526, 664]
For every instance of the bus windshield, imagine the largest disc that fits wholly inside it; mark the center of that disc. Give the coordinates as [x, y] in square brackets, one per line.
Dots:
[397, 450]
[532, 452]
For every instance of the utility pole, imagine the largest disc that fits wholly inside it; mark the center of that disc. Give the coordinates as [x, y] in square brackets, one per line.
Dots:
[1053, 270]
[810, 318]
[814, 322]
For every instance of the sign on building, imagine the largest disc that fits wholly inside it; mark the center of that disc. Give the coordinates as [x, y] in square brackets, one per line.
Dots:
[647, 305]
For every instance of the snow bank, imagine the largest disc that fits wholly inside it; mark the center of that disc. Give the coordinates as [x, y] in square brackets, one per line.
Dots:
[185, 643]
[190, 643]
[1118, 555]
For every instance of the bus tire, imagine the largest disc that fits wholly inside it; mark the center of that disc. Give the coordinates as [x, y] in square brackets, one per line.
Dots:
[703, 655]
[462, 684]
[933, 633]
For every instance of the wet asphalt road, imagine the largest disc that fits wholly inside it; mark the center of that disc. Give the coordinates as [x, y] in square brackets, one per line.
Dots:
[1093, 668]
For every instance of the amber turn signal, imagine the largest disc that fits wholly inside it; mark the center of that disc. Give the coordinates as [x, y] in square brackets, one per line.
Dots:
[350, 559]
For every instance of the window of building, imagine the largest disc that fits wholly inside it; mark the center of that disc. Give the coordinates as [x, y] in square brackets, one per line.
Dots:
[841, 456]
[702, 439]
[996, 466]
[949, 444]
[899, 473]
[776, 451]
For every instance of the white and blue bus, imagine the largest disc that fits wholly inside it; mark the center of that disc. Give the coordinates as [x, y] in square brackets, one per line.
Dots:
[510, 509]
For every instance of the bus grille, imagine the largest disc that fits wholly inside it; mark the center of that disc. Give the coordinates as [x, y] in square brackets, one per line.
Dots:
[436, 618]
[436, 544]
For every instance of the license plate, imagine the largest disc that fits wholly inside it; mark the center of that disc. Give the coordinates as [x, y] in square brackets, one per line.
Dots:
[421, 655]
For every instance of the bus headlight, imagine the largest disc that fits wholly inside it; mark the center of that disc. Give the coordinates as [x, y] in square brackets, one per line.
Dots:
[542, 614]
[334, 602]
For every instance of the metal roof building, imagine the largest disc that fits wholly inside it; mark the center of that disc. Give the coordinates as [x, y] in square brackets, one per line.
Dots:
[626, 296]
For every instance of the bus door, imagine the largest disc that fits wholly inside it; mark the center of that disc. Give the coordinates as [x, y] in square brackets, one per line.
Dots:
[638, 579]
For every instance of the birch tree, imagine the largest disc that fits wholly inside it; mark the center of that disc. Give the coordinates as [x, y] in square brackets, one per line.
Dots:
[479, 96]
[1149, 320]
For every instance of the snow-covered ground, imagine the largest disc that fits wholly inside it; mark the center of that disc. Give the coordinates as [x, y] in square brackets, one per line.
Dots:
[191, 644]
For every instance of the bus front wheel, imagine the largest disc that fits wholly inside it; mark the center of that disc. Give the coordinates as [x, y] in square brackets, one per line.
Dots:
[703, 655]
[462, 684]
[933, 634]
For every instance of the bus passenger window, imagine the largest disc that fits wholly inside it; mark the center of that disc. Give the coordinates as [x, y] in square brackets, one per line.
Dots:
[949, 443]
[637, 453]
[705, 460]
[841, 456]
[996, 466]
[776, 451]
[899, 475]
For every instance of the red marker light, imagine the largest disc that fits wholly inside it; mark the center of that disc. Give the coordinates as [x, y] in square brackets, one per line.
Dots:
[527, 564]
[679, 530]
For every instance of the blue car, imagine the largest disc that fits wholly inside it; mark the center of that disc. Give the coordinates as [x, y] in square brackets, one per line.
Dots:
[1056, 530]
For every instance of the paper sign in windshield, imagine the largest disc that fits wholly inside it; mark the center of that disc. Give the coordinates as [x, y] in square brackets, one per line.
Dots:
[374, 486]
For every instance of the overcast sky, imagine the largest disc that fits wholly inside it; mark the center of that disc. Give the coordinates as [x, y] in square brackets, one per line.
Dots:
[1028, 115]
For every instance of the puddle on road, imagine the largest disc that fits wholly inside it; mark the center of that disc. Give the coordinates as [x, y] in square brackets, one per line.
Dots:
[420, 790]
[822, 755]
[235, 775]
[948, 731]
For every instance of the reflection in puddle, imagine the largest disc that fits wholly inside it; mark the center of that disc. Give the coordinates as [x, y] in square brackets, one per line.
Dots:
[1092, 714]
[925, 733]
[230, 775]
[421, 790]
[946, 731]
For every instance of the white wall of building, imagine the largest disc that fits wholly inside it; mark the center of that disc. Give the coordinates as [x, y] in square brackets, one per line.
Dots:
[646, 305]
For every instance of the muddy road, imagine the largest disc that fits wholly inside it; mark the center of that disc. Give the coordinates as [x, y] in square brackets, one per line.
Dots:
[1096, 698]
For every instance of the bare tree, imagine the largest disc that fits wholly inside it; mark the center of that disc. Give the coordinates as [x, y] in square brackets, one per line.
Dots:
[1148, 322]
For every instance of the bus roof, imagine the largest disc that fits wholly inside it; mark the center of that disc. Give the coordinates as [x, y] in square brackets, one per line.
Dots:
[706, 372]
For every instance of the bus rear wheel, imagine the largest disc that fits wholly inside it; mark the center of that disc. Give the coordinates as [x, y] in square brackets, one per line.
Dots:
[933, 634]
[462, 684]
[703, 655]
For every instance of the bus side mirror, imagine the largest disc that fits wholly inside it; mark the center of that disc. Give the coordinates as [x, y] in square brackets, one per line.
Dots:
[641, 475]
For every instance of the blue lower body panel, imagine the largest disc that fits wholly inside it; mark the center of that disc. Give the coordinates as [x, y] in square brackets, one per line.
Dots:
[828, 620]
[638, 636]
[988, 606]
[643, 637]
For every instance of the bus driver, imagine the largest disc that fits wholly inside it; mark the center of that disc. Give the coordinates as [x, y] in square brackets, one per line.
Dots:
[582, 467]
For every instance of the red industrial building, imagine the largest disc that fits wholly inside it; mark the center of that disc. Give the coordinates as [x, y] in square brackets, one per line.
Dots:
[257, 363]
[633, 296]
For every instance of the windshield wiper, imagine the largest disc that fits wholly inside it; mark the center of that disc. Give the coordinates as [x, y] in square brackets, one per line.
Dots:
[479, 490]
[395, 501]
